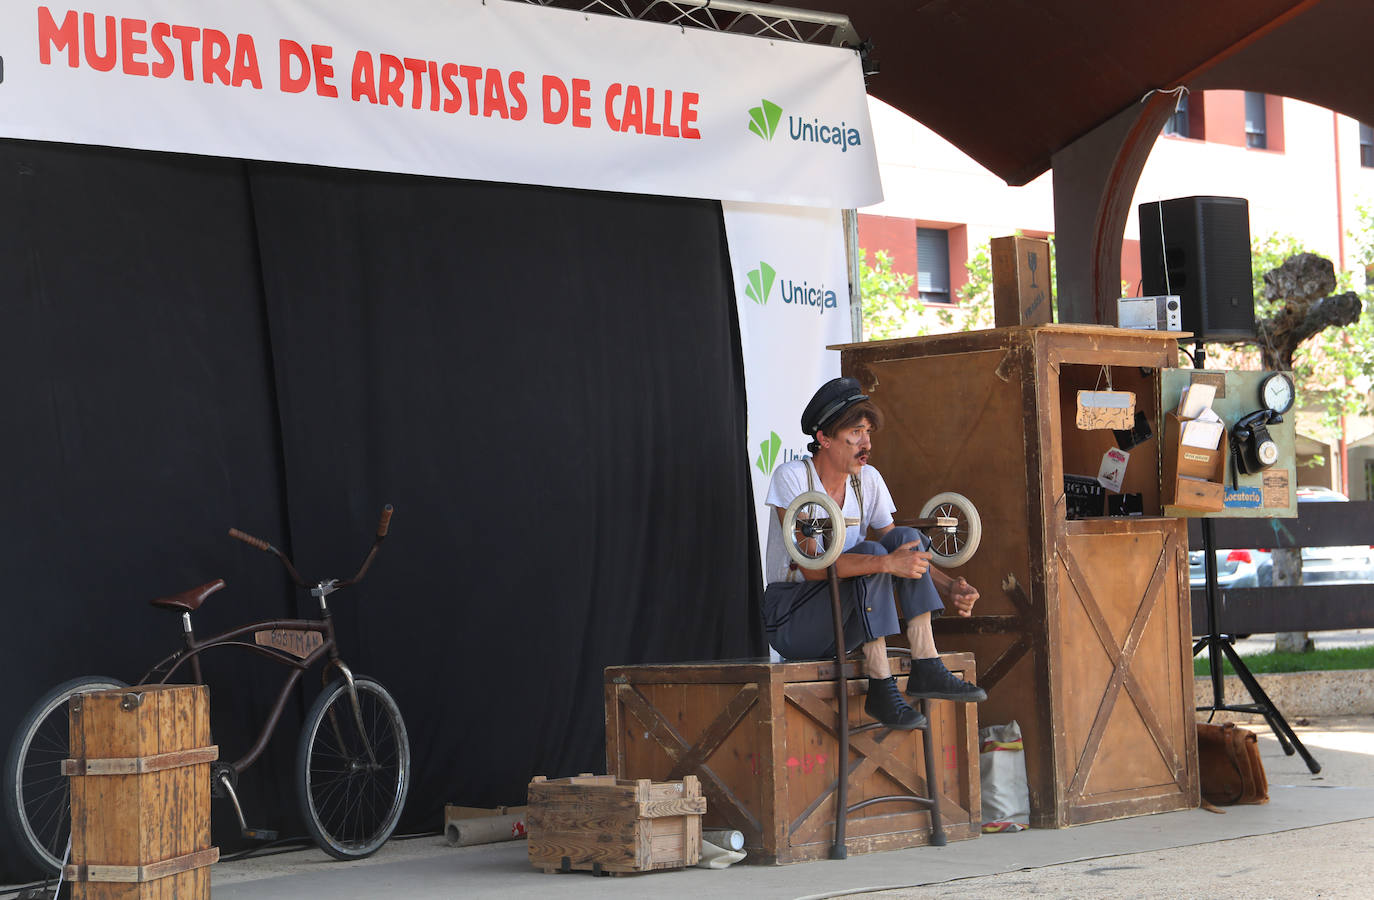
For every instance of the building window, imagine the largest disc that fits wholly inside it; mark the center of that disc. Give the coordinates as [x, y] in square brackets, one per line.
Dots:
[1369, 478]
[1177, 125]
[1366, 146]
[932, 264]
[1255, 130]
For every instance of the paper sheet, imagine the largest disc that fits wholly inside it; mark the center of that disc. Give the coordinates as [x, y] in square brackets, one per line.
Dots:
[1195, 398]
[1202, 433]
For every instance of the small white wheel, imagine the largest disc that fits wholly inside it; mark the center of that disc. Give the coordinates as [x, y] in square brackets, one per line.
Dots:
[813, 530]
[955, 549]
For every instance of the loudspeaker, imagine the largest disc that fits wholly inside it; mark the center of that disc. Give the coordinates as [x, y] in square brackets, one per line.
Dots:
[1203, 256]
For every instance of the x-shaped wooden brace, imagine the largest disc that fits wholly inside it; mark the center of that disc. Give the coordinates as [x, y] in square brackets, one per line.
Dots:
[876, 756]
[1121, 658]
[691, 759]
[1024, 625]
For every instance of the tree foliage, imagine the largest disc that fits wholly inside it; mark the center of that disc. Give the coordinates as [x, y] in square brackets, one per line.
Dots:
[887, 301]
[891, 311]
[1333, 369]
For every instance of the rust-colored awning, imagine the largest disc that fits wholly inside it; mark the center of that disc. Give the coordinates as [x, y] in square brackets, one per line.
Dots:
[1012, 82]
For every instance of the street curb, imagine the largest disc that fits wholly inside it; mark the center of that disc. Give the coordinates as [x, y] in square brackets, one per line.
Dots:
[1347, 692]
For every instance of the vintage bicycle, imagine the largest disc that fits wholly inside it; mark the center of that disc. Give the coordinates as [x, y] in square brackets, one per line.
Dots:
[352, 767]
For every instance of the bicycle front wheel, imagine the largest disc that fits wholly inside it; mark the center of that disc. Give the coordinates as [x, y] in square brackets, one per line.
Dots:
[37, 799]
[352, 769]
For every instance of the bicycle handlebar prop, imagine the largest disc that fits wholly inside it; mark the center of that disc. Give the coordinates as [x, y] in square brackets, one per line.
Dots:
[248, 539]
[383, 527]
[813, 528]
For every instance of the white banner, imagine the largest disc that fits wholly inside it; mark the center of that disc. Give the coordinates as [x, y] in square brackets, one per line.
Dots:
[792, 287]
[497, 91]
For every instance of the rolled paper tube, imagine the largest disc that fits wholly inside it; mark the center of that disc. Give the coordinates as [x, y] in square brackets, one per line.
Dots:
[484, 830]
[724, 837]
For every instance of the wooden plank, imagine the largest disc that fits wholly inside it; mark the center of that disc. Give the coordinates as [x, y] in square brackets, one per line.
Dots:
[1317, 525]
[682, 806]
[140, 765]
[1316, 607]
[144, 873]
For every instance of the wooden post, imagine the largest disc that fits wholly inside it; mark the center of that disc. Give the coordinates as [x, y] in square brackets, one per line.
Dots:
[140, 787]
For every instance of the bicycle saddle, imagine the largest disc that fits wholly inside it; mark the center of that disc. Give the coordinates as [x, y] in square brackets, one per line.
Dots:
[189, 601]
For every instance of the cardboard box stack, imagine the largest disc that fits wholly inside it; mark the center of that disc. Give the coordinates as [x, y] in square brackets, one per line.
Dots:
[1195, 445]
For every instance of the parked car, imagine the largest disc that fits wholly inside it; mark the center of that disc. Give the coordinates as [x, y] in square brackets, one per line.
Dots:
[1235, 568]
[1320, 565]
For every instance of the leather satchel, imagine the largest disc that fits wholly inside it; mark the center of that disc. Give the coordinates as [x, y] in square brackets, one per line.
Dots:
[1229, 765]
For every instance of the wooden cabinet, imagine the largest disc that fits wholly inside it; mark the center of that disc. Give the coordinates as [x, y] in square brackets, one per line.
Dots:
[1083, 631]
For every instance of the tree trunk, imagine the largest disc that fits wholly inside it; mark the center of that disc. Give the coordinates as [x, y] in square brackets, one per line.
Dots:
[1288, 573]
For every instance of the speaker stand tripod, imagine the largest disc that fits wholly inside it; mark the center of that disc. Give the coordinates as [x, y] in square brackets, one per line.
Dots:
[1218, 644]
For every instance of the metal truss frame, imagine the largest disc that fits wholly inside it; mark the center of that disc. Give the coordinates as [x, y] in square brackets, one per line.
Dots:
[763, 20]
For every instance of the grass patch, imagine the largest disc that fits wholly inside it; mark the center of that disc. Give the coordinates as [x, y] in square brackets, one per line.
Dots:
[1316, 661]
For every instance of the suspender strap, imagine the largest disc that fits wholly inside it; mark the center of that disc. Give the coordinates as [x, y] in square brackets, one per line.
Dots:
[855, 482]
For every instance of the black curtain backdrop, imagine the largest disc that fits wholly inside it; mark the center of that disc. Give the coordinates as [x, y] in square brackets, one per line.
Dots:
[138, 396]
[546, 383]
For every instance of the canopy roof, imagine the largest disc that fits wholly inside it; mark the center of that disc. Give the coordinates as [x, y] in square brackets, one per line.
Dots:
[1012, 82]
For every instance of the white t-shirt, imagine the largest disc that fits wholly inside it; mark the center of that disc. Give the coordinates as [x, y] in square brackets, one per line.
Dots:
[789, 480]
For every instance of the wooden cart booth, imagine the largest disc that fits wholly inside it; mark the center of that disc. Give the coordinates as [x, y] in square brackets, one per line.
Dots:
[1082, 633]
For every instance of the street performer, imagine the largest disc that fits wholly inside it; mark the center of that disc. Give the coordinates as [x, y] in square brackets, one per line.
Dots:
[884, 566]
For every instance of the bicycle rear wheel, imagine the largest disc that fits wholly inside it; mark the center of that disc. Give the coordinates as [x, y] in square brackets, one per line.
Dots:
[37, 797]
[352, 770]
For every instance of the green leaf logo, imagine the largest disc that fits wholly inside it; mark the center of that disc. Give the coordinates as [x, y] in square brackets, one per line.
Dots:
[760, 283]
[763, 119]
[768, 453]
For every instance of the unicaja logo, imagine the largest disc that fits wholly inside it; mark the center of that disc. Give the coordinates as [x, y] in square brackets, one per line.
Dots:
[760, 283]
[764, 118]
[771, 452]
[793, 293]
[768, 453]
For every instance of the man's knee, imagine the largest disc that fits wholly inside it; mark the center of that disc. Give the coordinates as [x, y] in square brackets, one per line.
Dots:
[905, 534]
[872, 548]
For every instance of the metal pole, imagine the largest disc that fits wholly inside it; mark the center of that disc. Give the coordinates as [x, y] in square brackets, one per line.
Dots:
[850, 218]
[839, 850]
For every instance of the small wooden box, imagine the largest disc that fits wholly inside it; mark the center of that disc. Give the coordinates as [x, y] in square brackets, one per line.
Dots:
[1022, 293]
[599, 823]
[761, 737]
[1194, 477]
[140, 789]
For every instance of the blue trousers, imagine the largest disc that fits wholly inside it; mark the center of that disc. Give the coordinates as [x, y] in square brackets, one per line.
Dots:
[797, 617]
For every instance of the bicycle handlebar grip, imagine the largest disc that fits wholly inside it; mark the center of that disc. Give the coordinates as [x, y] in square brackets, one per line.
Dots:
[249, 539]
[385, 522]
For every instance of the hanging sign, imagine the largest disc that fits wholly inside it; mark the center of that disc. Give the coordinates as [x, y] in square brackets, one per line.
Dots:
[1106, 409]
[496, 91]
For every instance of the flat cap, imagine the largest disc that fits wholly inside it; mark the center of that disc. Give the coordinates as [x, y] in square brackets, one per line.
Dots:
[833, 398]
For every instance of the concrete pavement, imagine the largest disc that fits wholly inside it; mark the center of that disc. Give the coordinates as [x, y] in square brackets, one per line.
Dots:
[1314, 839]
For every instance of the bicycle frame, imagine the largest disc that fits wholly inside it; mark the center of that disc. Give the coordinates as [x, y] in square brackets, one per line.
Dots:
[164, 670]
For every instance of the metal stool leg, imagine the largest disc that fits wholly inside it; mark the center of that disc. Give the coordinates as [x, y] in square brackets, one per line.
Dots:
[937, 822]
[838, 850]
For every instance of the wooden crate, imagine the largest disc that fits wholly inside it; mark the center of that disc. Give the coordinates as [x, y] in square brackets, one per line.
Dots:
[761, 737]
[600, 823]
[1083, 627]
[140, 789]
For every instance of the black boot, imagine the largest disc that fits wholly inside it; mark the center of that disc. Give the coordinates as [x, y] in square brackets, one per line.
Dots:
[931, 680]
[885, 703]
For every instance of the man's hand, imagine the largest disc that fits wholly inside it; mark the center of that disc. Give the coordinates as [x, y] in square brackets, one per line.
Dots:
[908, 561]
[963, 595]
